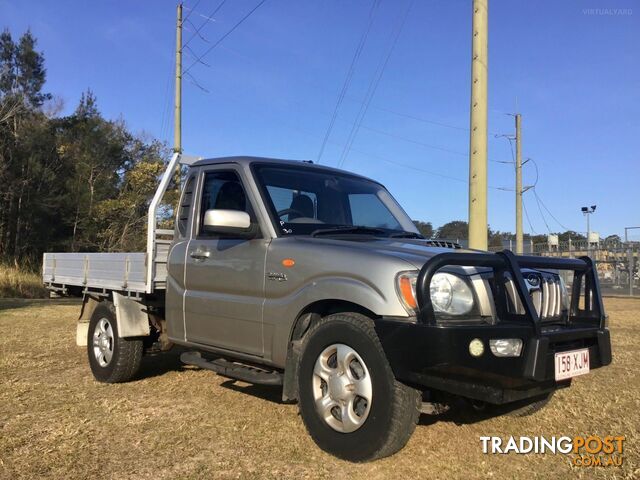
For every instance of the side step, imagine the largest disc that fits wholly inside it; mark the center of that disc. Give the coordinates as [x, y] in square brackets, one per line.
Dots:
[233, 370]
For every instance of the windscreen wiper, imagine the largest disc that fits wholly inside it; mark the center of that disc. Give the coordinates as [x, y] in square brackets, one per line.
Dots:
[355, 229]
[405, 234]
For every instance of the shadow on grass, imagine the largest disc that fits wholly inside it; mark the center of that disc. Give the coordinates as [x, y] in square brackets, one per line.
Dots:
[271, 393]
[463, 412]
[460, 413]
[161, 363]
[457, 415]
[156, 364]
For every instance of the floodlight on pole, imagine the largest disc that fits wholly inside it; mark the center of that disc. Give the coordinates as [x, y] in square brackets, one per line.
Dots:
[587, 211]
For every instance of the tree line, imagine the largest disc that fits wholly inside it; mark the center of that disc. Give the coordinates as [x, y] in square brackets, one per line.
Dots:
[75, 182]
[458, 230]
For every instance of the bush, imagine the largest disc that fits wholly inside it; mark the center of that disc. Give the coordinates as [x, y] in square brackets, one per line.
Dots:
[20, 283]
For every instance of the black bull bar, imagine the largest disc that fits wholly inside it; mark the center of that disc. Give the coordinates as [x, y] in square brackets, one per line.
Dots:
[584, 272]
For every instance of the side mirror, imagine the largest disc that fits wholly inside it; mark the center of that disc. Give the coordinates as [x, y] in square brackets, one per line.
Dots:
[230, 222]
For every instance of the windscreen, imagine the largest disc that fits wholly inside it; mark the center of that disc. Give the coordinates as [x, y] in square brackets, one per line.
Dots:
[303, 201]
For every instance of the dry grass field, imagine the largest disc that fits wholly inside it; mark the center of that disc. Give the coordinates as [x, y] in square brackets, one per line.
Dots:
[181, 422]
[20, 283]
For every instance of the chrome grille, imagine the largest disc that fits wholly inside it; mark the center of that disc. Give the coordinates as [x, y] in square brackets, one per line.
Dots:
[545, 290]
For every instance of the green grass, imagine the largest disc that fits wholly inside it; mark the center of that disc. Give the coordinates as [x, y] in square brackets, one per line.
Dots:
[20, 283]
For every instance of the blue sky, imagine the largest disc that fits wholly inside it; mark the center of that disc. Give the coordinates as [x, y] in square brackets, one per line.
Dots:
[571, 68]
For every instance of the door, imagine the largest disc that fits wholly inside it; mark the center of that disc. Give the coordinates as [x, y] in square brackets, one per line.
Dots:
[174, 311]
[224, 275]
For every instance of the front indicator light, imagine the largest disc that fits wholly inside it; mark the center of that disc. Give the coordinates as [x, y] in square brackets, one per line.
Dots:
[406, 288]
[506, 347]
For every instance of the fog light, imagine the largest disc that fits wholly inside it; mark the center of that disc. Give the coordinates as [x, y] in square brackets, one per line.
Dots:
[506, 347]
[476, 347]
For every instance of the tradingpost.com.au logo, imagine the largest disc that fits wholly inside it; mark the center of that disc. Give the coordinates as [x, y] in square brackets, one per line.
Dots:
[584, 451]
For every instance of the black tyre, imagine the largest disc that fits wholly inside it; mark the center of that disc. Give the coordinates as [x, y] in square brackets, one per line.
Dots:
[112, 359]
[350, 402]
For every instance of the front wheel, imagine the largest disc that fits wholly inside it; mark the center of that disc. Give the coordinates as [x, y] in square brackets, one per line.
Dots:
[350, 402]
[112, 359]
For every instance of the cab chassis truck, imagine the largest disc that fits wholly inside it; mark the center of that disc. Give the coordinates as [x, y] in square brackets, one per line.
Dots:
[314, 279]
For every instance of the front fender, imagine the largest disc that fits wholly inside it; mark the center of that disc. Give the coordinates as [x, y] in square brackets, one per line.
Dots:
[280, 314]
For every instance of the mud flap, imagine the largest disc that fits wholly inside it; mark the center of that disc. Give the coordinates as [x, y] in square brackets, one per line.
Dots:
[132, 317]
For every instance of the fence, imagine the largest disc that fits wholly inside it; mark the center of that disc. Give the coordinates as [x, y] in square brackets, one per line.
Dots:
[617, 262]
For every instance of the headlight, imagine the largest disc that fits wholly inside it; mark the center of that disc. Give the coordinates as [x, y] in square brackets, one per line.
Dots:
[450, 294]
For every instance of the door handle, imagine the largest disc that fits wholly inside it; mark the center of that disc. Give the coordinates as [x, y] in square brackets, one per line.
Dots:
[200, 254]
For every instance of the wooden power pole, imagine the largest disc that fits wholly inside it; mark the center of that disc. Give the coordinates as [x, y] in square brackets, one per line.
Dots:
[519, 237]
[478, 234]
[177, 106]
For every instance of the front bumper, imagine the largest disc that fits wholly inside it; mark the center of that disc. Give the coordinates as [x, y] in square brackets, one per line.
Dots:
[436, 356]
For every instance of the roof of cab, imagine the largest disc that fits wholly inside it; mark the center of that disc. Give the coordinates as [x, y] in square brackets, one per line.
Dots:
[241, 160]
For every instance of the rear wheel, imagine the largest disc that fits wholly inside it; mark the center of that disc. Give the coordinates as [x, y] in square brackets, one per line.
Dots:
[112, 359]
[350, 402]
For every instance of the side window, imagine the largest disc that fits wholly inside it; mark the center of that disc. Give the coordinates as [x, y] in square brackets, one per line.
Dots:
[222, 191]
[185, 206]
[367, 209]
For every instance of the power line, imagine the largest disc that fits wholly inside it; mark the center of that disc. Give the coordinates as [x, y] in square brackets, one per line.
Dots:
[194, 55]
[419, 169]
[535, 193]
[229, 32]
[192, 80]
[541, 214]
[526, 213]
[207, 20]
[388, 160]
[195, 5]
[373, 86]
[347, 80]
[395, 112]
[548, 211]
[426, 120]
[399, 137]
[427, 145]
[166, 104]
[535, 164]
[195, 31]
[420, 119]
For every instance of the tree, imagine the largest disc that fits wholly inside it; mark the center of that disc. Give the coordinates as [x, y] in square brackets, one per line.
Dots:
[122, 220]
[570, 234]
[95, 153]
[30, 71]
[455, 230]
[498, 238]
[27, 153]
[613, 240]
[425, 228]
[79, 182]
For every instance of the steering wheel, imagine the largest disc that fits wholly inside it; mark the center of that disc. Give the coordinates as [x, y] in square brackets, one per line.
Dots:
[288, 211]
